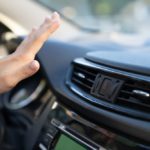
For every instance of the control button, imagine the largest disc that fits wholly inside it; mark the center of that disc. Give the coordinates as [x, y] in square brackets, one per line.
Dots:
[52, 131]
[42, 147]
[56, 122]
[46, 140]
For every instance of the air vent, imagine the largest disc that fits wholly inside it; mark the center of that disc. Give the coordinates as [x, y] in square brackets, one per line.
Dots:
[96, 83]
[109, 88]
[135, 95]
[83, 77]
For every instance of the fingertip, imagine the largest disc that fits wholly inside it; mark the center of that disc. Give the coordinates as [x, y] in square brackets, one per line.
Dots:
[48, 18]
[55, 15]
[35, 28]
[35, 65]
[56, 20]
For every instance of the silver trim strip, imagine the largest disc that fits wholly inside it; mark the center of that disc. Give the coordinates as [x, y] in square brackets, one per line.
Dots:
[31, 98]
[62, 127]
[141, 93]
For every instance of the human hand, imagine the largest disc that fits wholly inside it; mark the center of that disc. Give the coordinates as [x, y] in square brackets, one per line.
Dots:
[21, 63]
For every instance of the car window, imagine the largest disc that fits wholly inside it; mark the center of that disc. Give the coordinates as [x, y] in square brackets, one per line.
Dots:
[127, 16]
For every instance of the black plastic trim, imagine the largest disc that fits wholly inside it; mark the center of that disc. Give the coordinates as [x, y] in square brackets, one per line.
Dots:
[97, 101]
[55, 58]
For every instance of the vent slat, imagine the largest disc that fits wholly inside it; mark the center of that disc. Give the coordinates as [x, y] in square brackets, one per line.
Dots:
[130, 85]
[126, 92]
[84, 77]
[81, 83]
[86, 71]
[134, 102]
[138, 101]
[132, 95]
[137, 87]
[87, 78]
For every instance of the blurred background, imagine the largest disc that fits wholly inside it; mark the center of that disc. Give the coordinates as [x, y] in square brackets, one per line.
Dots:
[128, 16]
[121, 21]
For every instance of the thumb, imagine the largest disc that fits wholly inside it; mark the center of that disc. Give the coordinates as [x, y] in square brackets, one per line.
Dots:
[29, 70]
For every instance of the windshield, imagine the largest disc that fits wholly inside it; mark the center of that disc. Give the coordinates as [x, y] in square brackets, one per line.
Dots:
[127, 16]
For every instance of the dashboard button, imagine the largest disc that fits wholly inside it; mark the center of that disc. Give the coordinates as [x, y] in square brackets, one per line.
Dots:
[56, 122]
[41, 147]
[47, 140]
[51, 131]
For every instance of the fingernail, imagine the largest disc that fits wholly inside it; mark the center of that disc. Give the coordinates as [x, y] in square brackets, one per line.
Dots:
[54, 15]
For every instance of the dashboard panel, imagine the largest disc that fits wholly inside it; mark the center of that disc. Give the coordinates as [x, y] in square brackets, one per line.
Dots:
[56, 58]
[46, 101]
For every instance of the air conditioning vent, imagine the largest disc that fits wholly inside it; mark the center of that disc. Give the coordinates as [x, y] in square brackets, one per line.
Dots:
[110, 88]
[135, 95]
[83, 77]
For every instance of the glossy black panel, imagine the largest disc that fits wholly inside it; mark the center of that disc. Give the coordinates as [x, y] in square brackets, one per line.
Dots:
[103, 137]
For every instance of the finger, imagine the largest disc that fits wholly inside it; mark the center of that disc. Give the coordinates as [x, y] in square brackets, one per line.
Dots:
[48, 29]
[34, 29]
[36, 38]
[27, 71]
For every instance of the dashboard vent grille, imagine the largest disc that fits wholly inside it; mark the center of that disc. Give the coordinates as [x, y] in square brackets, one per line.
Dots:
[135, 95]
[111, 89]
[83, 77]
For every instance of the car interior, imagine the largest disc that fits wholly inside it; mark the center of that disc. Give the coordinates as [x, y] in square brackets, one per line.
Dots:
[86, 96]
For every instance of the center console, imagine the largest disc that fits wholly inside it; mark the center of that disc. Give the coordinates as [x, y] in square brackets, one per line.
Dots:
[66, 130]
[55, 134]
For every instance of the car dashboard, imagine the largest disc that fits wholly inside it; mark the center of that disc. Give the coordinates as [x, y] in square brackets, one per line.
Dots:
[81, 98]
